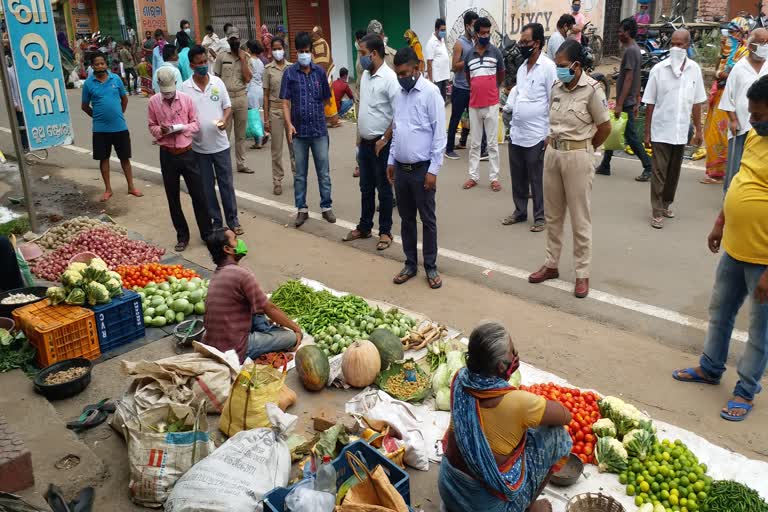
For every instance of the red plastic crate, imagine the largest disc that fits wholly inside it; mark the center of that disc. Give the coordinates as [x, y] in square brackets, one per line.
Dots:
[59, 332]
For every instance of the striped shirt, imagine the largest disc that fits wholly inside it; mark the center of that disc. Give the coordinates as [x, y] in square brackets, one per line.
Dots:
[482, 70]
[234, 296]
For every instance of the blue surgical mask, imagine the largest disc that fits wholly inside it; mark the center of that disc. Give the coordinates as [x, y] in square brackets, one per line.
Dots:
[484, 41]
[761, 128]
[441, 34]
[565, 75]
[576, 7]
[201, 70]
[366, 62]
[305, 59]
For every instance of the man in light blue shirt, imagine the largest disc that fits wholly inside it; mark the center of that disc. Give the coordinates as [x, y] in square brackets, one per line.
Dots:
[415, 158]
[171, 61]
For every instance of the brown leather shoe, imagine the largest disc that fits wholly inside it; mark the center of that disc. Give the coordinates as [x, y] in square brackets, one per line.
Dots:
[582, 287]
[543, 274]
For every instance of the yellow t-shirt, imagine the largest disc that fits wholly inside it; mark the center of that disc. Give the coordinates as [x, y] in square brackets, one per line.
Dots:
[745, 236]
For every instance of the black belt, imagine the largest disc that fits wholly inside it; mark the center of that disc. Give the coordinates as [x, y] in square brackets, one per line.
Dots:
[371, 141]
[412, 167]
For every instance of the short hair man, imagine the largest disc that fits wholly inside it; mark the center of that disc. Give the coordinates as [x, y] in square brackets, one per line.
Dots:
[340, 90]
[171, 62]
[564, 25]
[438, 59]
[460, 93]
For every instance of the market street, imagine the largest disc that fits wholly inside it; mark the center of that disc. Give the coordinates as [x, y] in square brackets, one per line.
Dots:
[656, 282]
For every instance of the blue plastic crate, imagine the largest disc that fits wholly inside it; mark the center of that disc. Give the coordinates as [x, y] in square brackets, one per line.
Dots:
[274, 500]
[119, 322]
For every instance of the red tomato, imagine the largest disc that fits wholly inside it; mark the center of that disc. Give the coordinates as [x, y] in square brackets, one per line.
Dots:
[579, 436]
[588, 448]
[589, 438]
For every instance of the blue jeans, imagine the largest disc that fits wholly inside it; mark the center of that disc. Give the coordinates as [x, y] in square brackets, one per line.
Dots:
[319, 146]
[735, 150]
[633, 141]
[266, 337]
[734, 282]
[373, 178]
[345, 106]
[216, 168]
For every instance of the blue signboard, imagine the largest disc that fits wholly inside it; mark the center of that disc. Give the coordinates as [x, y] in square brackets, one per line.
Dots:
[37, 62]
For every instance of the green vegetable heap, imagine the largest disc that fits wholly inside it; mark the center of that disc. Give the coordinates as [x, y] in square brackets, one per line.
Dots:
[730, 496]
[335, 339]
[93, 283]
[169, 303]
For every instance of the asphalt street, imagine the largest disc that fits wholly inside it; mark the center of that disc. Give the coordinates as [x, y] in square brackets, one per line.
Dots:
[654, 281]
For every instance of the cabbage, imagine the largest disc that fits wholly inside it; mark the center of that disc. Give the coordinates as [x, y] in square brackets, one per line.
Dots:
[638, 443]
[455, 361]
[516, 379]
[604, 427]
[441, 378]
[71, 278]
[611, 455]
[96, 293]
[76, 297]
[443, 399]
[56, 295]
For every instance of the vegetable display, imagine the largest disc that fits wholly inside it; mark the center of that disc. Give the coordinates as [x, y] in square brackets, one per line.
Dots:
[171, 302]
[335, 339]
[389, 346]
[611, 455]
[625, 416]
[90, 284]
[730, 496]
[17, 352]
[638, 442]
[142, 275]
[443, 377]
[360, 364]
[604, 427]
[313, 367]
[18, 298]
[65, 232]
[111, 247]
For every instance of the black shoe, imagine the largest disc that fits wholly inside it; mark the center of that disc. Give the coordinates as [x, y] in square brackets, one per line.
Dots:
[301, 218]
[180, 246]
[329, 216]
[646, 176]
[602, 171]
[484, 157]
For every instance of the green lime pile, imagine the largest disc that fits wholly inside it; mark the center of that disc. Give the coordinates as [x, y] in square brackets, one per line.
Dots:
[670, 476]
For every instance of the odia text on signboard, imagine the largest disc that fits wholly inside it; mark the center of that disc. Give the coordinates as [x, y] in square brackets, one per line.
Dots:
[152, 15]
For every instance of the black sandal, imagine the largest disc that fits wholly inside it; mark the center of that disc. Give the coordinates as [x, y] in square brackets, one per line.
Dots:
[404, 276]
[180, 246]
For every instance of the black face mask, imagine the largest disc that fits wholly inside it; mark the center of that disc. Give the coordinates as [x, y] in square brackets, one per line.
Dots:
[526, 51]
[234, 46]
[407, 82]
[101, 72]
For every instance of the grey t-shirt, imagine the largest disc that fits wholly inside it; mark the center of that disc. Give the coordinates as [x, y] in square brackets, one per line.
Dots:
[630, 63]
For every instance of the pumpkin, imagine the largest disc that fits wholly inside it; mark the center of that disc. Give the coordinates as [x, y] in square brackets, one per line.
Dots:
[390, 347]
[313, 367]
[361, 364]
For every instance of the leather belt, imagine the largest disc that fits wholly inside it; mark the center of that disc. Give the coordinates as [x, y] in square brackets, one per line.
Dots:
[569, 145]
[177, 151]
[371, 141]
[411, 167]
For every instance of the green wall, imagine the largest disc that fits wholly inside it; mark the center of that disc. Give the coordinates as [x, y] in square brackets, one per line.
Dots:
[394, 15]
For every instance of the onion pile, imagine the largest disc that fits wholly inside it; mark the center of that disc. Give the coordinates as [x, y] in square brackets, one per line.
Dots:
[113, 248]
[65, 232]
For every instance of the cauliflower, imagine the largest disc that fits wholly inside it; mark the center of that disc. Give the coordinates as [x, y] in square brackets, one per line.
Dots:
[76, 297]
[114, 287]
[77, 266]
[56, 295]
[604, 427]
[624, 416]
[114, 275]
[638, 443]
[97, 293]
[611, 455]
[71, 278]
[98, 264]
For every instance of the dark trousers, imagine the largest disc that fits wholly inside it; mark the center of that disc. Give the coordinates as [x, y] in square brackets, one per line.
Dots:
[526, 165]
[373, 178]
[216, 168]
[23, 130]
[173, 168]
[667, 161]
[10, 275]
[412, 199]
[632, 140]
[442, 85]
[131, 73]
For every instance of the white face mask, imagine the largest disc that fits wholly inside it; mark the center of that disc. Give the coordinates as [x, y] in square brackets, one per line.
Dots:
[677, 57]
[761, 51]
[187, 31]
[278, 54]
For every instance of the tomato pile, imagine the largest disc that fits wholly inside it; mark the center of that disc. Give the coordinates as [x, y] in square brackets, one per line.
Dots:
[583, 407]
[141, 275]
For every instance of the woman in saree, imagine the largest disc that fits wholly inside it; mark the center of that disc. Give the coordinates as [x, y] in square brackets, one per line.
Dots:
[412, 40]
[503, 443]
[716, 127]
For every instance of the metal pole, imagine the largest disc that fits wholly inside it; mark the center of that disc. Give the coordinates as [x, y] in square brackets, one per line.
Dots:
[16, 134]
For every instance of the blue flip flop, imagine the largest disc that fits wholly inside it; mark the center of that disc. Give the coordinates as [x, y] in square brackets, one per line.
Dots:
[694, 377]
[736, 405]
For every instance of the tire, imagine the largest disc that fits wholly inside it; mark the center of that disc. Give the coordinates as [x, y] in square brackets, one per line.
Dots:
[603, 82]
[597, 49]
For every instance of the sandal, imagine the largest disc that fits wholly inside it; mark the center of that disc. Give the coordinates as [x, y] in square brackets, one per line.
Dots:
[508, 221]
[495, 186]
[404, 276]
[355, 235]
[469, 184]
[657, 222]
[693, 376]
[88, 419]
[434, 280]
[238, 230]
[733, 404]
[538, 228]
[711, 181]
[385, 241]
[180, 246]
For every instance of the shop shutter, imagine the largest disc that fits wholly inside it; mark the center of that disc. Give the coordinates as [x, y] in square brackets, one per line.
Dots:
[271, 12]
[303, 15]
[238, 12]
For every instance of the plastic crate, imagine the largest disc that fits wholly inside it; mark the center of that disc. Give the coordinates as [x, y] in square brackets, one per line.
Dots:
[119, 322]
[59, 332]
[274, 501]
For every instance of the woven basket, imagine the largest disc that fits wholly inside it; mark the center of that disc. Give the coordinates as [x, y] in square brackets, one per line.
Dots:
[593, 503]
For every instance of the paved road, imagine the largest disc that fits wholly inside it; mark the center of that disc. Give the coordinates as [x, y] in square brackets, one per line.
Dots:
[655, 281]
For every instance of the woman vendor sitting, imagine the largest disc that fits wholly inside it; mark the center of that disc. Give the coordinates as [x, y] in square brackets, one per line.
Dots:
[503, 442]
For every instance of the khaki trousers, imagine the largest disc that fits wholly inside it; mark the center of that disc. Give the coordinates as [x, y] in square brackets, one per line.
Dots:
[667, 160]
[568, 186]
[279, 135]
[239, 121]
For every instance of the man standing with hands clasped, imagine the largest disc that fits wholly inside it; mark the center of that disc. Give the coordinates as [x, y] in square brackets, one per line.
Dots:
[675, 89]
[415, 158]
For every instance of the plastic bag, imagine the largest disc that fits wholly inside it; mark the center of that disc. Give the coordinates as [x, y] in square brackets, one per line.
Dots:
[254, 387]
[615, 141]
[254, 128]
[303, 498]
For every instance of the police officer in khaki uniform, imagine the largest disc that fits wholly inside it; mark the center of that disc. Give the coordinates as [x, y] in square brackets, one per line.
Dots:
[579, 122]
[232, 67]
[273, 106]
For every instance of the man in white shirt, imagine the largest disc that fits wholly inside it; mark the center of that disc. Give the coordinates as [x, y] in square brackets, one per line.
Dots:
[378, 89]
[734, 100]
[529, 105]
[438, 59]
[211, 143]
[675, 90]
[564, 24]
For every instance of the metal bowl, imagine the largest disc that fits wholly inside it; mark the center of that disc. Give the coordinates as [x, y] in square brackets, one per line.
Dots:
[181, 330]
[65, 389]
[7, 309]
[570, 473]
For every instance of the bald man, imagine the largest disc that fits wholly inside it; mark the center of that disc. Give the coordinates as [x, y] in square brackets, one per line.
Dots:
[734, 100]
[674, 92]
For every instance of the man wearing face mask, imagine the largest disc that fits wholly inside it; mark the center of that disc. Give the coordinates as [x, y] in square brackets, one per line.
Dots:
[375, 27]
[274, 121]
[438, 60]
[415, 159]
[185, 34]
[211, 144]
[564, 25]
[578, 16]
[172, 120]
[675, 90]
[238, 314]
[170, 62]
[460, 92]
[734, 100]
[233, 68]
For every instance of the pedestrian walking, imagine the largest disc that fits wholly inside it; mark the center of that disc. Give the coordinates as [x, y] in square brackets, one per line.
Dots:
[211, 144]
[734, 99]
[304, 91]
[379, 89]
[628, 99]
[568, 163]
[274, 121]
[415, 159]
[157, 53]
[104, 99]
[529, 104]
[255, 91]
[740, 230]
[484, 68]
[564, 25]
[171, 63]
[129, 67]
[172, 119]
[438, 60]
[232, 66]
[460, 91]
[183, 43]
[675, 90]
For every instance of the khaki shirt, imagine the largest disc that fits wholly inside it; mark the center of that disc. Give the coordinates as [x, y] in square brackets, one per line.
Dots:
[321, 54]
[389, 56]
[272, 80]
[227, 67]
[575, 114]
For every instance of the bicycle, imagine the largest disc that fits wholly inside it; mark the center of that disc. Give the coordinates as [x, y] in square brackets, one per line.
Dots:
[594, 42]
